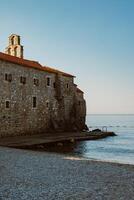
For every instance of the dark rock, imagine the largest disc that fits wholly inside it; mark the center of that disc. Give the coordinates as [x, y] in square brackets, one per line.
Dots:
[96, 130]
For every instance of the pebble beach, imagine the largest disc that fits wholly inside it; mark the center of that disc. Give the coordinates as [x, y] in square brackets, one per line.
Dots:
[35, 175]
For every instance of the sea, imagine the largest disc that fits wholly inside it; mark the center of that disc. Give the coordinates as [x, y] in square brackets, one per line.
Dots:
[119, 149]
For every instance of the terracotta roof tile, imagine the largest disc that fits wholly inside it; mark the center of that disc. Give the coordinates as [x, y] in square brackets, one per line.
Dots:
[31, 64]
[49, 69]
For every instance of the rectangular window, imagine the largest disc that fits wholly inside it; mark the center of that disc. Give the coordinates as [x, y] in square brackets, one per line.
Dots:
[23, 80]
[8, 77]
[34, 102]
[36, 81]
[54, 84]
[7, 104]
[67, 85]
[47, 104]
[48, 81]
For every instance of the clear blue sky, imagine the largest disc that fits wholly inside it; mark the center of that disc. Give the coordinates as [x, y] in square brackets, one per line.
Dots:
[92, 39]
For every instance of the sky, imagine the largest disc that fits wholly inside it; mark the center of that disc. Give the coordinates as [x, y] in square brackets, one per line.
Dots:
[91, 39]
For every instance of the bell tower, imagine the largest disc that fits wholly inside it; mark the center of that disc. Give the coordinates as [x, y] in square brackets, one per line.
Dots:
[14, 48]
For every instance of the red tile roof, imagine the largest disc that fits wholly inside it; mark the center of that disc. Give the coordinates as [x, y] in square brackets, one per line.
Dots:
[52, 70]
[31, 64]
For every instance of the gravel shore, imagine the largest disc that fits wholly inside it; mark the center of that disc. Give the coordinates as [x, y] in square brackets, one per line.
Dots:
[34, 175]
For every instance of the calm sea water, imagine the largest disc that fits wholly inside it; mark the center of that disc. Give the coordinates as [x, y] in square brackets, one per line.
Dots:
[116, 149]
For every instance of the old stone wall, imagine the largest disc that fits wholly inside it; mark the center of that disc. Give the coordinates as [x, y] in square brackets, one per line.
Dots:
[31, 104]
[21, 117]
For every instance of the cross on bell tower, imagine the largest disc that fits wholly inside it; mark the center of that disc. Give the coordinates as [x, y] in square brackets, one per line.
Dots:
[14, 48]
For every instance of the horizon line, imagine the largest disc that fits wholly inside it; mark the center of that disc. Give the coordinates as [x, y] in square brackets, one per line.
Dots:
[110, 114]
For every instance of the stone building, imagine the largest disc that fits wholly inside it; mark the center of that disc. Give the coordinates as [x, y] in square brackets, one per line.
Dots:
[36, 99]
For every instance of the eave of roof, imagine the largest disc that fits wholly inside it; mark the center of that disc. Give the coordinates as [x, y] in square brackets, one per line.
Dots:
[79, 91]
[30, 64]
[50, 69]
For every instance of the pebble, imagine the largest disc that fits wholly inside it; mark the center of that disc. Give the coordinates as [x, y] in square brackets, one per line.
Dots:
[33, 175]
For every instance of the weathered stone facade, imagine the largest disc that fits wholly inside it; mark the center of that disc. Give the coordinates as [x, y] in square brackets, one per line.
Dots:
[36, 99]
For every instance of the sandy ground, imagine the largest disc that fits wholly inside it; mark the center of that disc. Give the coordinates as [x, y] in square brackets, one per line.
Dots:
[36, 175]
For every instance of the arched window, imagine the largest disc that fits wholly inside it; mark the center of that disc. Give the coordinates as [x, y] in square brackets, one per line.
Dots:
[13, 40]
[15, 51]
[18, 40]
[9, 51]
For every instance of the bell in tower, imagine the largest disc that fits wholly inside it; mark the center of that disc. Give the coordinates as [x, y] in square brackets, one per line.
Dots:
[14, 48]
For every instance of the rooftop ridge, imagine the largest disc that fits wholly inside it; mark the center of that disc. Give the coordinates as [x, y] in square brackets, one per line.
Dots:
[31, 64]
[58, 71]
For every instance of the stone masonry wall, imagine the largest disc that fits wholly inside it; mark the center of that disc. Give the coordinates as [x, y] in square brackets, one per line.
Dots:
[54, 103]
[21, 117]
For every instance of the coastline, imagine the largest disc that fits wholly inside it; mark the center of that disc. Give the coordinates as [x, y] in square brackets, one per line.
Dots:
[31, 141]
[27, 174]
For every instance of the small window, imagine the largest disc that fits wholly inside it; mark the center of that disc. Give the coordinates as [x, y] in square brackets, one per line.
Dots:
[47, 104]
[7, 104]
[13, 40]
[23, 80]
[79, 103]
[34, 102]
[36, 81]
[67, 85]
[54, 85]
[8, 77]
[18, 40]
[48, 81]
